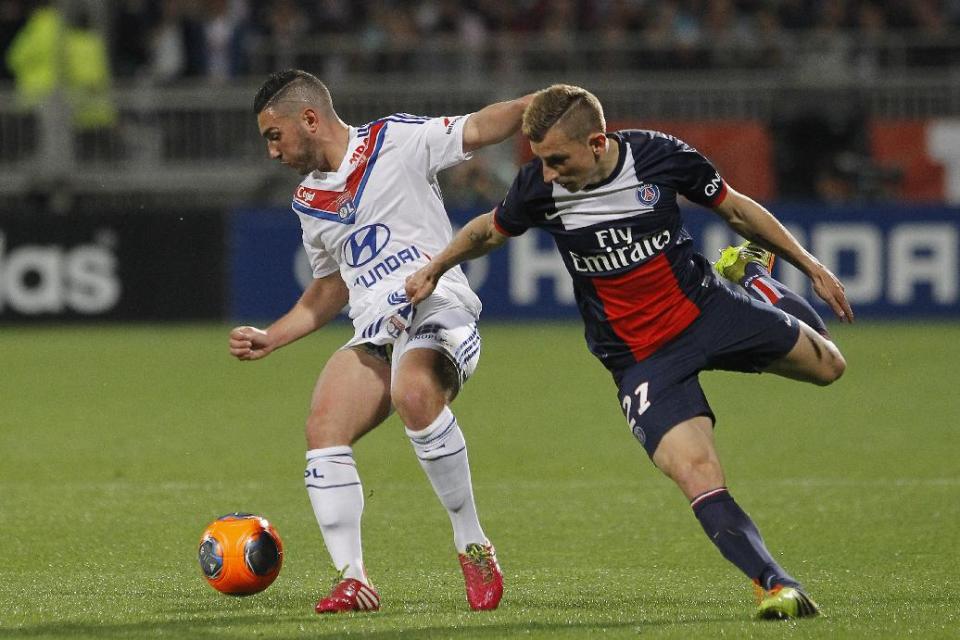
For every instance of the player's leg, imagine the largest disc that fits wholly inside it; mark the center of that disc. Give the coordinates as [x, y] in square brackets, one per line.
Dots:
[668, 413]
[425, 384]
[749, 266]
[812, 359]
[430, 368]
[351, 397]
[687, 455]
[743, 334]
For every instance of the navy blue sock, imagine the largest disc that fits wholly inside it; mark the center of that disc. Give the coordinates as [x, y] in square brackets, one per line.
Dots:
[737, 538]
[759, 284]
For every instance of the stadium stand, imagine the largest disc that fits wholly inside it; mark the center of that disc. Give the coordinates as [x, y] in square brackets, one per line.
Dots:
[815, 74]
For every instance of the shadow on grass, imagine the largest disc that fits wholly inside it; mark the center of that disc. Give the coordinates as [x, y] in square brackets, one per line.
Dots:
[265, 625]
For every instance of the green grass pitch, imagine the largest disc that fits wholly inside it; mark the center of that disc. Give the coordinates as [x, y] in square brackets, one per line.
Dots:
[119, 444]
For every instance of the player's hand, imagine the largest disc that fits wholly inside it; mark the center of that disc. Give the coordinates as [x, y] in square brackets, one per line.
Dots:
[249, 343]
[830, 289]
[421, 284]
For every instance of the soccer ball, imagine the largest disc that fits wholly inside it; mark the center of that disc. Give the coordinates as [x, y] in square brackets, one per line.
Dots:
[240, 554]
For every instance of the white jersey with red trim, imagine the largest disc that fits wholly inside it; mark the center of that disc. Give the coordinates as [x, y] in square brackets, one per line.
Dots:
[379, 217]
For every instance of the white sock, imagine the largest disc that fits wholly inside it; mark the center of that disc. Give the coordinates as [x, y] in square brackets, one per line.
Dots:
[336, 494]
[443, 455]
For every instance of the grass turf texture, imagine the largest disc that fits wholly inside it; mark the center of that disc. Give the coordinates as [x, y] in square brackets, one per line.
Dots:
[119, 444]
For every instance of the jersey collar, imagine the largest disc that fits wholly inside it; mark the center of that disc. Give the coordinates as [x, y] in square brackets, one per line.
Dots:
[614, 137]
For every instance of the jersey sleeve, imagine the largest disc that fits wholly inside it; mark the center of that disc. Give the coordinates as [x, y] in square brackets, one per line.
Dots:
[673, 162]
[321, 262]
[434, 143]
[510, 217]
[701, 182]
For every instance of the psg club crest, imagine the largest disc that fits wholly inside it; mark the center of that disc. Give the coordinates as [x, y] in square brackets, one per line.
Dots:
[648, 194]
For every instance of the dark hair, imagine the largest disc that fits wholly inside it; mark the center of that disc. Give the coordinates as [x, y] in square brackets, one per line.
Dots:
[299, 85]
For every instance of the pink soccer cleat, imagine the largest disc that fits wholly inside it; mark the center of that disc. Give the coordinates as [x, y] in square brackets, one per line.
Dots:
[350, 595]
[482, 576]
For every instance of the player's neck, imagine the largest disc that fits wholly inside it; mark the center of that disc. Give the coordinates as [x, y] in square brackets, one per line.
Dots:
[608, 160]
[333, 144]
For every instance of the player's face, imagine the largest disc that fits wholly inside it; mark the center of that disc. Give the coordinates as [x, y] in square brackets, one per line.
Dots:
[573, 164]
[287, 140]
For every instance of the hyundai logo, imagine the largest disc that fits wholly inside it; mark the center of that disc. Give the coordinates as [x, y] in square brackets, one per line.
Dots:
[364, 244]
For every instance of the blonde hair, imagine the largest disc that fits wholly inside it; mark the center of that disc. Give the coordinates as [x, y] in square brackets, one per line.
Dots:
[575, 110]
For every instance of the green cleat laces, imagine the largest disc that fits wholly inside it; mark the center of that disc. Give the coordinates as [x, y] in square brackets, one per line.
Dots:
[734, 259]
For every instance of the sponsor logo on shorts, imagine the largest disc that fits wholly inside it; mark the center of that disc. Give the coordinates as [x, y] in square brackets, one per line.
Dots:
[395, 326]
[397, 297]
[430, 331]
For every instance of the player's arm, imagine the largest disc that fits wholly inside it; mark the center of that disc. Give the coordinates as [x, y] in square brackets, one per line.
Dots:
[494, 123]
[755, 223]
[478, 238]
[319, 304]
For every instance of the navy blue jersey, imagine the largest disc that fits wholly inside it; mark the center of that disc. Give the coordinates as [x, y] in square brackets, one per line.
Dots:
[636, 279]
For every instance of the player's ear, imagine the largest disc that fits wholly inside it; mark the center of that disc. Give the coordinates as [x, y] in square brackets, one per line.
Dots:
[597, 142]
[310, 119]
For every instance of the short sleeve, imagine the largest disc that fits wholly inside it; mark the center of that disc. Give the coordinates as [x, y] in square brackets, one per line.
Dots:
[510, 217]
[698, 180]
[434, 143]
[703, 184]
[321, 262]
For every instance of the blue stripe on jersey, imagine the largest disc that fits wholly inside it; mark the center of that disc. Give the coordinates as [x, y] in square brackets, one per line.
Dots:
[333, 216]
[394, 118]
[410, 116]
[321, 214]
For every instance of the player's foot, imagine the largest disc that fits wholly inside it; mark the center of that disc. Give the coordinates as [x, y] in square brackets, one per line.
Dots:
[350, 595]
[482, 576]
[784, 603]
[733, 260]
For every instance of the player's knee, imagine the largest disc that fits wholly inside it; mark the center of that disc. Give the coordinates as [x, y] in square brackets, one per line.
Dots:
[833, 366]
[838, 365]
[320, 433]
[696, 473]
[418, 402]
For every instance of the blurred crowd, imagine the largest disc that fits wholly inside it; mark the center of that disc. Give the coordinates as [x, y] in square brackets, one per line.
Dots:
[68, 54]
[164, 40]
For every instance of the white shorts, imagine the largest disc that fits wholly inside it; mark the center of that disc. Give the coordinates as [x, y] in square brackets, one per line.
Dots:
[450, 330]
[460, 344]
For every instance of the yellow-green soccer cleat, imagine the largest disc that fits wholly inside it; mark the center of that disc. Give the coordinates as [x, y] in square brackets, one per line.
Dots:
[733, 260]
[785, 603]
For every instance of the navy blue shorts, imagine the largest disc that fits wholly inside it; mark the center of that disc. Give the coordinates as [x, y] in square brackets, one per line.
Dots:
[733, 332]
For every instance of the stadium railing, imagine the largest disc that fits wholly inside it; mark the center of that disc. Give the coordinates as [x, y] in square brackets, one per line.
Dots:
[201, 138]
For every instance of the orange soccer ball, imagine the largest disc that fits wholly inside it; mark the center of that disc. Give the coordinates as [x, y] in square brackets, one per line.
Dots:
[240, 554]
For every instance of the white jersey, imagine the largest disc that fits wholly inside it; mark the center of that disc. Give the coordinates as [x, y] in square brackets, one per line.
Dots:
[379, 217]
